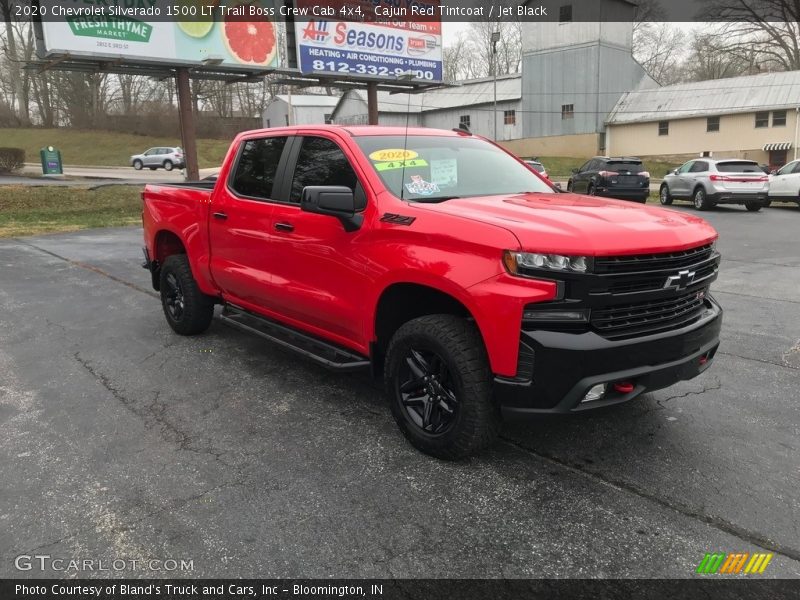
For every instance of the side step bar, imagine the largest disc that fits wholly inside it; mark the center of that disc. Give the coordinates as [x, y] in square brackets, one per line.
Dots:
[327, 354]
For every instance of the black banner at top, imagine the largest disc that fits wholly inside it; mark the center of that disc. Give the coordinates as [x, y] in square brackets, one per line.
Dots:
[416, 11]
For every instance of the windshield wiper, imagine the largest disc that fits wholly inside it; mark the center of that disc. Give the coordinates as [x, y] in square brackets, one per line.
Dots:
[435, 199]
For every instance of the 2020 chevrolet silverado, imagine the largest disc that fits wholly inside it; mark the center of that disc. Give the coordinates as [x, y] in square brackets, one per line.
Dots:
[440, 261]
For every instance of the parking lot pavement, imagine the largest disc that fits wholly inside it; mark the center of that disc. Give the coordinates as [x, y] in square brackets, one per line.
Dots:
[119, 439]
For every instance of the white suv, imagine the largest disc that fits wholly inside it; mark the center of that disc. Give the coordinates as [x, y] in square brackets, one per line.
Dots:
[707, 182]
[167, 157]
[784, 185]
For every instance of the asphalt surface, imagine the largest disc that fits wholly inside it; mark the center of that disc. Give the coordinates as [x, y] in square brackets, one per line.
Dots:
[122, 440]
[81, 176]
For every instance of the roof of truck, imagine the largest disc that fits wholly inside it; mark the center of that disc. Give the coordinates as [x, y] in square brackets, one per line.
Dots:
[360, 130]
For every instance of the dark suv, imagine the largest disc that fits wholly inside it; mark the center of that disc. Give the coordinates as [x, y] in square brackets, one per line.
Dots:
[623, 178]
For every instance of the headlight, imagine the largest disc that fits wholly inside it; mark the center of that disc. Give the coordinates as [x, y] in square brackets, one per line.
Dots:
[515, 261]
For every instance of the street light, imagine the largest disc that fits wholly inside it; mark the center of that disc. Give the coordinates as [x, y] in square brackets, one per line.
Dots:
[495, 38]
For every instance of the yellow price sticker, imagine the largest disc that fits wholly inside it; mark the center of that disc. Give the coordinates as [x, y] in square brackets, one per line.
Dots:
[391, 154]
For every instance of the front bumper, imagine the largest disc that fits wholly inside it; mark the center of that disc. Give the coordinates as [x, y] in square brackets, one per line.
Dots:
[567, 365]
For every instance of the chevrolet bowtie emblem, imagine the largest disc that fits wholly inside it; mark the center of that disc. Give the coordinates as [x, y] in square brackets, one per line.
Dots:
[680, 281]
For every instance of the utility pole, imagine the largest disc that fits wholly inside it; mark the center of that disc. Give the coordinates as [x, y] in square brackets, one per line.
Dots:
[372, 103]
[186, 115]
[495, 39]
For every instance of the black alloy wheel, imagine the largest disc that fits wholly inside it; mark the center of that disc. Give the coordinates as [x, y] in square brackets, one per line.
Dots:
[427, 391]
[173, 297]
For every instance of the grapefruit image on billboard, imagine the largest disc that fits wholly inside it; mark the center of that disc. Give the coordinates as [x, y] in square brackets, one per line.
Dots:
[231, 38]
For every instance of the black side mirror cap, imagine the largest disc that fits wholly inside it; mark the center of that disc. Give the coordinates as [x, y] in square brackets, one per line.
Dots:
[332, 200]
[575, 171]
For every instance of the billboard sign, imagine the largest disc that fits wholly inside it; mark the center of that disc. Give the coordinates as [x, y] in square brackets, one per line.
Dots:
[224, 34]
[369, 47]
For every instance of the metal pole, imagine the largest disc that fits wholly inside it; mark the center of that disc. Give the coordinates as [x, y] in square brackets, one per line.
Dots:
[188, 133]
[796, 130]
[494, 39]
[372, 103]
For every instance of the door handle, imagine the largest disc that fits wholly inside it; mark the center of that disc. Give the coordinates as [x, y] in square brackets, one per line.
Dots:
[220, 215]
[284, 227]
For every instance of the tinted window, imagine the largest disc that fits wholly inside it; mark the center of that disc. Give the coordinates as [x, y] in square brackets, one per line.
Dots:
[686, 167]
[321, 162]
[797, 167]
[257, 166]
[792, 167]
[699, 167]
[634, 166]
[739, 166]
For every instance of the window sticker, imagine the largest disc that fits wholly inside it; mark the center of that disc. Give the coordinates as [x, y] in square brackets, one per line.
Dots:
[421, 187]
[445, 172]
[390, 154]
[400, 164]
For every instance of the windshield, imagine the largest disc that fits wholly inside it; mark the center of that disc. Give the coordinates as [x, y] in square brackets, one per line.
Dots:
[426, 168]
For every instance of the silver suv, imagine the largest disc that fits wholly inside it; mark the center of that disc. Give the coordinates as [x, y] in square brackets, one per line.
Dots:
[707, 182]
[167, 157]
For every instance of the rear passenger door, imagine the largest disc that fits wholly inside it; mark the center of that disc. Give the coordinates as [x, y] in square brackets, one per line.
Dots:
[240, 223]
[580, 180]
[319, 275]
[681, 185]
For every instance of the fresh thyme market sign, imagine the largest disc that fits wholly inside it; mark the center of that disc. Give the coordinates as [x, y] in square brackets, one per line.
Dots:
[115, 28]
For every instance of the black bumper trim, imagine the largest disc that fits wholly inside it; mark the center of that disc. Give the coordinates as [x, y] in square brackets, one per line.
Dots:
[567, 366]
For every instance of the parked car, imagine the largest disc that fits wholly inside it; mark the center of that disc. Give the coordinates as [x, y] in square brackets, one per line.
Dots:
[707, 182]
[167, 157]
[784, 184]
[623, 178]
[538, 167]
[401, 252]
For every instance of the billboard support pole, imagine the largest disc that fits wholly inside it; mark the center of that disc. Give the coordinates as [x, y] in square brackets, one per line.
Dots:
[188, 133]
[372, 102]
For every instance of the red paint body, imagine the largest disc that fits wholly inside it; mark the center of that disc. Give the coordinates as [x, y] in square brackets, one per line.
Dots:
[327, 281]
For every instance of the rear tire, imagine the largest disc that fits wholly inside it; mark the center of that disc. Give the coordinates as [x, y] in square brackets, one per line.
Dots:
[700, 199]
[664, 196]
[753, 206]
[168, 165]
[439, 384]
[137, 164]
[188, 310]
[590, 190]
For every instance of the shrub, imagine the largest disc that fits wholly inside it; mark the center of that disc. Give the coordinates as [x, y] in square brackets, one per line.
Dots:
[11, 159]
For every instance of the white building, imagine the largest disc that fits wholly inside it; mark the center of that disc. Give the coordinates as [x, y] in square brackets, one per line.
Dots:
[471, 103]
[299, 109]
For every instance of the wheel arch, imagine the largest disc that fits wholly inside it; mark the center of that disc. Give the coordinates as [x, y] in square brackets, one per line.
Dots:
[401, 301]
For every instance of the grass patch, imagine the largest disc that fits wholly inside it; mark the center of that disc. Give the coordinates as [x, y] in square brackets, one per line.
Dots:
[103, 148]
[560, 167]
[30, 210]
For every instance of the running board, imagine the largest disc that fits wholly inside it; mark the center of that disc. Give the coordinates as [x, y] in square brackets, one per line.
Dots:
[327, 354]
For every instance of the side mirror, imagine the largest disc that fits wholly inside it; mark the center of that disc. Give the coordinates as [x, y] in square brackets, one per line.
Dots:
[773, 172]
[575, 171]
[332, 200]
[558, 186]
[673, 172]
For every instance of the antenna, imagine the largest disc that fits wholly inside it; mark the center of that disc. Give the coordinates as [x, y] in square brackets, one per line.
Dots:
[407, 76]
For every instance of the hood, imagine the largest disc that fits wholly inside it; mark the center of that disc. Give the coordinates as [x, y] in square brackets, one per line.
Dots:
[583, 225]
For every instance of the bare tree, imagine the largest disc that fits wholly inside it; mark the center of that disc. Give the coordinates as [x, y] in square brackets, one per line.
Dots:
[658, 47]
[13, 61]
[769, 27]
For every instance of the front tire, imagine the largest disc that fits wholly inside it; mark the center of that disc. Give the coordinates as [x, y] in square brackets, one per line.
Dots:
[664, 196]
[137, 164]
[590, 190]
[168, 165]
[439, 384]
[700, 199]
[753, 206]
[569, 186]
[188, 310]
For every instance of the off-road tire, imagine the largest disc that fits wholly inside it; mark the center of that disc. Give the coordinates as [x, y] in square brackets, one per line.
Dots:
[664, 196]
[196, 309]
[458, 344]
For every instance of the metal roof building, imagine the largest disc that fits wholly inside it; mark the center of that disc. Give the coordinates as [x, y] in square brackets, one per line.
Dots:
[755, 117]
[720, 96]
[471, 102]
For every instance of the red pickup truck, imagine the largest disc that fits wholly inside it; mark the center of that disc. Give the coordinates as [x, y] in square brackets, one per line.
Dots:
[441, 262]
